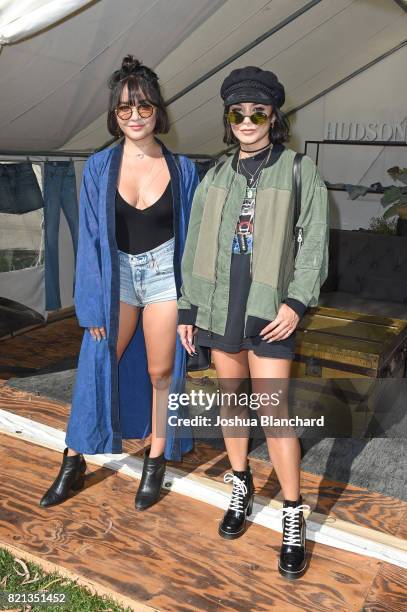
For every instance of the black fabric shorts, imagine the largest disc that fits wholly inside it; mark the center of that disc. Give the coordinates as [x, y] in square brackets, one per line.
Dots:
[233, 341]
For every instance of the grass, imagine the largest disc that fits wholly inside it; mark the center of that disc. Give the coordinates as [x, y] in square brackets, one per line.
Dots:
[17, 575]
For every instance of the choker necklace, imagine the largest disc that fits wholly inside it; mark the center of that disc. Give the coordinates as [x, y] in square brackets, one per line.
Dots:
[257, 150]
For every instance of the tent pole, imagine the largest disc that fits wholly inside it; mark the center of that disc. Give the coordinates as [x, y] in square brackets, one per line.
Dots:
[348, 78]
[244, 50]
[402, 4]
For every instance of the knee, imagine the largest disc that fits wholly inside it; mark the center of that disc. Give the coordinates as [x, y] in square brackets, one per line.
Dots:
[160, 377]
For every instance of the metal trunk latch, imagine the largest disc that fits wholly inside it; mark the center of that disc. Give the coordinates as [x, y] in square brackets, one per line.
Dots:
[313, 367]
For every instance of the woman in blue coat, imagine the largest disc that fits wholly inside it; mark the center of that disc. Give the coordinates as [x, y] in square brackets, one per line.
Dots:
[134, 210]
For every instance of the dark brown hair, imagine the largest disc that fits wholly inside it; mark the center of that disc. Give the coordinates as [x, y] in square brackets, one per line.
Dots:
[142, 84]
[278, 134]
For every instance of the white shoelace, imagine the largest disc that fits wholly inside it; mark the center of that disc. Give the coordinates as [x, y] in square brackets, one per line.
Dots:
[238, 492]
[292, 524]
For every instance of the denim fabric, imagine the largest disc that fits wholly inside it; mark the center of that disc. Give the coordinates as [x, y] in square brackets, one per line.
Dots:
[59, 192]
[148, 277]
[19, 189]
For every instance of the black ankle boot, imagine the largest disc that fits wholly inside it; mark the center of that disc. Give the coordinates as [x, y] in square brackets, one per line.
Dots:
[234, 522]
[71, 477]
[293, 560]
[151, 481]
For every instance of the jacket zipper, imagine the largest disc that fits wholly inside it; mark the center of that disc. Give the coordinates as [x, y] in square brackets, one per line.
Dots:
[251, 253]
[300, 239]
[251, 274]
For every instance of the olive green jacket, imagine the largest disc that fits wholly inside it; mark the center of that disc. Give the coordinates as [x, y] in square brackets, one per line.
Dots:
[276, 275]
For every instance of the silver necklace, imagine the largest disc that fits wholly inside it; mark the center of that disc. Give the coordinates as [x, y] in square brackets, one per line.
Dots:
[251, 193]
[259, 167]
[137, 156]
[251, 189]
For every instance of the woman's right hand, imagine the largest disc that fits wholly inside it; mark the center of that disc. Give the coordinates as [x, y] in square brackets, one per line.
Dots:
[186, 334]
[97, 333]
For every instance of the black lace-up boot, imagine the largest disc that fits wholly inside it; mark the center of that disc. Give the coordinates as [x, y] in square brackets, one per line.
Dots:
[71, 477]
[234, 522]
[151, 481]
[293, 560]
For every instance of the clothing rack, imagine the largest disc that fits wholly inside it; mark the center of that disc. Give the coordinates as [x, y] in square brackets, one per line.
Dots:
[73, 155]
[371, 143]
[364, 143]
[43, 156]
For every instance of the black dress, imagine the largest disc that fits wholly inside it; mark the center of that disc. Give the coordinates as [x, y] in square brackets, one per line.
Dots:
[233, 339]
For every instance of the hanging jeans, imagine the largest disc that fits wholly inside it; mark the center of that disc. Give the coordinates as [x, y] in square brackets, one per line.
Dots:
[19, 189]
[59, 192]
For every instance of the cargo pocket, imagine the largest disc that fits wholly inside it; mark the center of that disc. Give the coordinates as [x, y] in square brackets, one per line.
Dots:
[309, 255]
[311, 251]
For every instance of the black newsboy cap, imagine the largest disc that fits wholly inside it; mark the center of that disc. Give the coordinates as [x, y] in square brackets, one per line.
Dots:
[252, 84]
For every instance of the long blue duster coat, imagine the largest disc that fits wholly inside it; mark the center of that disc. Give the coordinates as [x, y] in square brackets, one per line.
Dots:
[112, 400]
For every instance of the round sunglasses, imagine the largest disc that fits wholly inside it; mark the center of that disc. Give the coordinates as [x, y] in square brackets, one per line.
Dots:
[144, 110]
[258, 117]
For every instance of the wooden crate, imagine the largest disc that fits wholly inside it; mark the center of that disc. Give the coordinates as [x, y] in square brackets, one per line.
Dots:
[340, 344]
[341, 359]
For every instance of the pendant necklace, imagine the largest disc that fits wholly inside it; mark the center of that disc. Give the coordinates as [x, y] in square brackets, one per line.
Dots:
[251, 189]
[137, 156]
[250, 197]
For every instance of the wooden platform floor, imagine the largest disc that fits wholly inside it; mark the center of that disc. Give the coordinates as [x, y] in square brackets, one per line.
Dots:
[171, 558]
[336, 499]
[40, 347]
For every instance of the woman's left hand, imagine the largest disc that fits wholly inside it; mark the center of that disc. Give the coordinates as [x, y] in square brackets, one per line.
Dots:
[283, 325]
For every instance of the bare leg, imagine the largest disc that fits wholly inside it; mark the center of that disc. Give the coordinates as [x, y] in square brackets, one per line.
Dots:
[128, 317]
[160, 332]
[285, 453]
[231, 366]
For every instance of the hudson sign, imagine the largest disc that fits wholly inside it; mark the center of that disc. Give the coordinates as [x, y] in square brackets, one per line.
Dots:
[358, 130]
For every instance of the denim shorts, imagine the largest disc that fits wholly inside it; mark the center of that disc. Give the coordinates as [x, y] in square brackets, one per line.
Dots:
[148, 277]
[19, 189]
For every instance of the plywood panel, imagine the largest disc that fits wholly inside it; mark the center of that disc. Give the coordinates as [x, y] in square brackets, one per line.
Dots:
[169, 556]
[388, 592]
[339, 500]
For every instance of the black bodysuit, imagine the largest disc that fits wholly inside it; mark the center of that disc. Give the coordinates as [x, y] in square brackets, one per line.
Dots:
[138, 231]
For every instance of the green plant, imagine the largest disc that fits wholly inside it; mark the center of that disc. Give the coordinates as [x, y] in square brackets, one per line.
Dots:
[396, 196]
[19, 576]
[382, 225]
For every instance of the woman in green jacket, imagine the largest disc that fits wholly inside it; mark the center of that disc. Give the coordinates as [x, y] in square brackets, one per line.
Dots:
[246, 286]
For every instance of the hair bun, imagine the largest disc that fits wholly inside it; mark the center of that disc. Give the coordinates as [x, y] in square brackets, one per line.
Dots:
[130, 64]
[132, 67]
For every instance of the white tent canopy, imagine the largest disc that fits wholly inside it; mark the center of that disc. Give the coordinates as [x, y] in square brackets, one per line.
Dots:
[53, 85]
[54, 66]
[25, 17]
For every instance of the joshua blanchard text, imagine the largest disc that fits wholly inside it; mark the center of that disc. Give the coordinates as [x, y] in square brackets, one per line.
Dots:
[264, 420]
